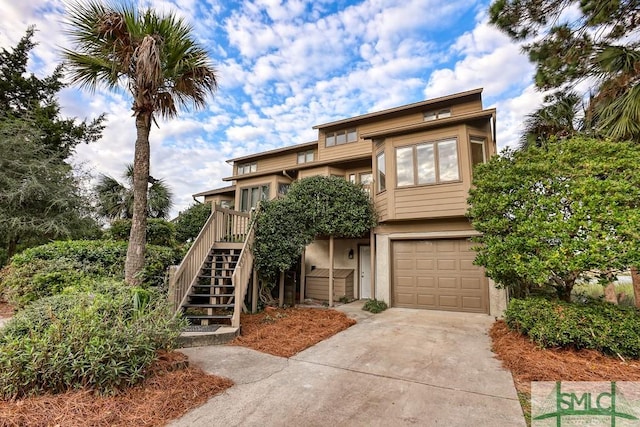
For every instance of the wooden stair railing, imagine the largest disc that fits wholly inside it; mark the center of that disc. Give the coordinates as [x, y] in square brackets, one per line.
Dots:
[242, 274]
[223, 225]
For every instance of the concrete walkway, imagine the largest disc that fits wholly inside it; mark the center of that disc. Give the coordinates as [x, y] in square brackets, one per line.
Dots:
[400, 367]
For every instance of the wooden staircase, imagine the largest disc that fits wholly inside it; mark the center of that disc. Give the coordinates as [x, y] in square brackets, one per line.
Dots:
[212, 297]
[209, 286]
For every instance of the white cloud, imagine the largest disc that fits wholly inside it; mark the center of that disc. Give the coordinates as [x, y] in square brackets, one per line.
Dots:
[286, 65]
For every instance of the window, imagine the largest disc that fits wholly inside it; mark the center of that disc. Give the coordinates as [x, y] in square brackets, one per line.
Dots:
[427, 163]
[352, 178]
[245, 168]
[478, 154]
[250, 197]
[437, 114]
[283, 189]
[305, 156]
[341, 137]
[382, 178]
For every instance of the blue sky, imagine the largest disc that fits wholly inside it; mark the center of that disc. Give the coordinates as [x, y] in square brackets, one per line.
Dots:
[285, 66]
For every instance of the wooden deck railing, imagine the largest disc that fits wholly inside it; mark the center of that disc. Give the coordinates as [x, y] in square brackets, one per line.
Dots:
[231, 226]
[242, 275]
[224, 225]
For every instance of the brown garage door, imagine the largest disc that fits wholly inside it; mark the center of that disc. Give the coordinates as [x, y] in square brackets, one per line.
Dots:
[438, 275]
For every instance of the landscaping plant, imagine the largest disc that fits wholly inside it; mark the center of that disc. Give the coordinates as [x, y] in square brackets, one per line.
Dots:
[48, 269]
[102, 337]
[553, 215]
[594, 324]
[374, 306]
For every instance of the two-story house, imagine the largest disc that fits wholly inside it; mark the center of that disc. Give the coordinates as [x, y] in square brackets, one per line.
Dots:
[417, 163]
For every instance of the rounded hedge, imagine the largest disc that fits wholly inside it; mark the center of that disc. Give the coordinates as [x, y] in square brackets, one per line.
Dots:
[48, 269]
[595, 324]
[101, 338]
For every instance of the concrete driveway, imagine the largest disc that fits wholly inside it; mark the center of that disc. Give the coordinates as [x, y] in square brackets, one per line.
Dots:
[399, 367]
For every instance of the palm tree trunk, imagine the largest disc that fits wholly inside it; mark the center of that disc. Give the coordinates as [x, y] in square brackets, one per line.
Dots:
[134, 263]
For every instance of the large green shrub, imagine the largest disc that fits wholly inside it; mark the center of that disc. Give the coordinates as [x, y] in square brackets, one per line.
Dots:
[190, 222]
[313, 206]
[551, 216]
[596, 325]
[102, 337]
[48, 269]
[159, 231]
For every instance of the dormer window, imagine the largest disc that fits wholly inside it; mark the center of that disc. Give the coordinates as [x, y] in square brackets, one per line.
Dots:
[437, 114]
[246, 168]
[341, 137]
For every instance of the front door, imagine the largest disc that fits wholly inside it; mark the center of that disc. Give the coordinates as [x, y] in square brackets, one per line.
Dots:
[364, 267]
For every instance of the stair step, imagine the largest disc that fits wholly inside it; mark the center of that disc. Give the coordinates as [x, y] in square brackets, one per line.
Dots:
[206, 316]
[213, 286]
[189, 305]
[211, 295]
[206, 276]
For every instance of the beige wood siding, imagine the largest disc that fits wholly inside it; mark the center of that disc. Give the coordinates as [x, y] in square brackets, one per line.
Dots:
[317, 284]
[438, 275]
[467, 107]
[428, 201]
[282, 161]
[435, 225]
[323, 171]
[380, 203]
[342, 152]
[441, 200]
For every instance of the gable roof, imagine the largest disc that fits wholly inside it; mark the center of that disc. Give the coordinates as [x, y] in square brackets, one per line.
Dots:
[409, 108]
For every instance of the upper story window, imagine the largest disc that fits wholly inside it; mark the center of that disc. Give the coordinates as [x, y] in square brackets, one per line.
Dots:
[341, 137]
[305, 156]
[251, 196]
[245, 168]
[381, 171]
[478, 153]
[437, 114]
[427, 163]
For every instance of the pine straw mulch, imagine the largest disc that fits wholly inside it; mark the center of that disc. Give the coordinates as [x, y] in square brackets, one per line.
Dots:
[171, 389]
[528, 362]
[6, 309]
[287, 331]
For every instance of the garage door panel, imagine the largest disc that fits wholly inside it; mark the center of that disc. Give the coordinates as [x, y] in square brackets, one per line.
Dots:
[426, 282]
[447, 264]
[448, 301]
[427, 300]
[467, 265]
[406, 299]
[472, 283]
[438, 274]
[444, 246]
[448, 283]
[472, 303]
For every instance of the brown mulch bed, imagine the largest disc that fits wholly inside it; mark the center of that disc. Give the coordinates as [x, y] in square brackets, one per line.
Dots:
[6, 309]
[528, 362]
[171, 390]
[287, 331]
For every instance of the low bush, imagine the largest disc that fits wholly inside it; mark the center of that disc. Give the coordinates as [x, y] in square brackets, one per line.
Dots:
[374, 306]
[48, 269]
[596, 325]
[102, 337]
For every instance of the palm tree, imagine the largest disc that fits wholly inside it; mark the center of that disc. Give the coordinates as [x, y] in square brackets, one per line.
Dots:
[157, 59]
[558, 118]
[115, 199]
[616, 107]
